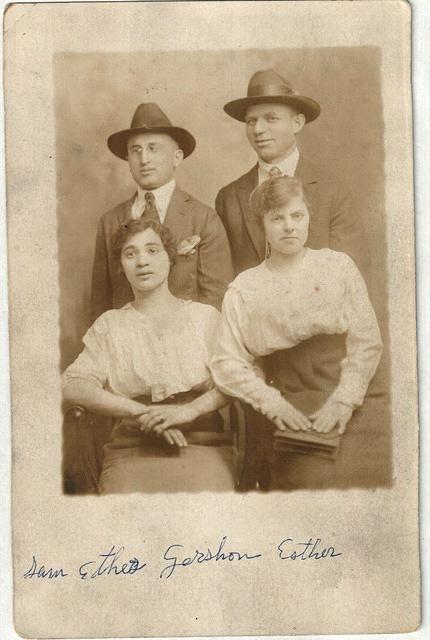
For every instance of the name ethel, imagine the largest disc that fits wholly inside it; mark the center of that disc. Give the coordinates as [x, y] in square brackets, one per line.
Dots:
[176, 558]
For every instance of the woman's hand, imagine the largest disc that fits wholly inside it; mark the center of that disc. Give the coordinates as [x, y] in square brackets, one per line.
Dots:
[286, 415]
[330, 415]
[174, 437]
[158, 418]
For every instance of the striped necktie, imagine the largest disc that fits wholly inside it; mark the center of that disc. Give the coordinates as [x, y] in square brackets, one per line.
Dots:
[150, 212]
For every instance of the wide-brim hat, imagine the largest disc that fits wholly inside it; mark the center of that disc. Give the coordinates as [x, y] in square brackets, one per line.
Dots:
[267, 86]
[149, 118]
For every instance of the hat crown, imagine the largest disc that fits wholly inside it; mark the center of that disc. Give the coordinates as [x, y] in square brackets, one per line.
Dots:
[149, 115]
[269, 83]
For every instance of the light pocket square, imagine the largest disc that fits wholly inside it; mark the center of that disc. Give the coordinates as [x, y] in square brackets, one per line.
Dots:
[188, 246]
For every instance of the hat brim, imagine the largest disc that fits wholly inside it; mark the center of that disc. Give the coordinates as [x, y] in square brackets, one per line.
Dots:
[310, 108]
[117, 142]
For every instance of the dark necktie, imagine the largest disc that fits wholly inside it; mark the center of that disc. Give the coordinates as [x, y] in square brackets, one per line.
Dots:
[150, 212]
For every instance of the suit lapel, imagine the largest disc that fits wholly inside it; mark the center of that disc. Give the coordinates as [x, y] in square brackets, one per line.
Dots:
[176, 212]
[245, 187]
[124, 212]
[307, 173]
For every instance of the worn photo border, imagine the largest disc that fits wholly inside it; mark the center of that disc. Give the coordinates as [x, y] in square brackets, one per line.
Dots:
[421, 206]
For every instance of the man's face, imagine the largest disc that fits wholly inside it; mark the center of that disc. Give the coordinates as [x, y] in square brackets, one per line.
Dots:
[271, 130]
[153, 158]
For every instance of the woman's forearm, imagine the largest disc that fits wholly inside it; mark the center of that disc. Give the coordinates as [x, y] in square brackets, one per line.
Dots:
[208, 402]
[98, 400]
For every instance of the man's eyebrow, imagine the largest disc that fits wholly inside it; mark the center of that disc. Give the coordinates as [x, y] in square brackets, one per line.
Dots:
[265, 114]
[136, 145]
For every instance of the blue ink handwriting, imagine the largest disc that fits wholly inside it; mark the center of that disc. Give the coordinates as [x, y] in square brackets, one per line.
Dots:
[201, 556]
[109, 563]
[41, 572]
[290, 550]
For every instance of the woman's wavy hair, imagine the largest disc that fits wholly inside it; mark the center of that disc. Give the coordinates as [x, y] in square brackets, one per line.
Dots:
[275, 193]
[130, 228]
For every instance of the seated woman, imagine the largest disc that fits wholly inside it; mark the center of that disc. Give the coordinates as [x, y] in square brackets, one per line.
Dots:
[146, 365]
[299, 341]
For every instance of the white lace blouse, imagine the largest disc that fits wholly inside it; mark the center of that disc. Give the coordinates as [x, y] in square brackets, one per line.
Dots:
[264, 312]
[124, 354]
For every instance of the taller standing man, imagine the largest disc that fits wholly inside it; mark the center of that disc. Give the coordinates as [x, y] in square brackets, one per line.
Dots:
[274, 113]
[154, 148]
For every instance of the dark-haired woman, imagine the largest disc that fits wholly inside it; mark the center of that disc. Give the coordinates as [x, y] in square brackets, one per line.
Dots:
[146, 365]
[299, 340]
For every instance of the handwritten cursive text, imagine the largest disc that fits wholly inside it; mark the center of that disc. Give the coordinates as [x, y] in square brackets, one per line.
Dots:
[198, 557]
[41, 572]
[109, 564]
[290, 550]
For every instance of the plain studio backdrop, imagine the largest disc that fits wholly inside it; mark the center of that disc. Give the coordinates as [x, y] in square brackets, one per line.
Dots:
[96, 95]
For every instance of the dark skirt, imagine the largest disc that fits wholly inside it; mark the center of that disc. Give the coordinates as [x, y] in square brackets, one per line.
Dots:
[306, 375]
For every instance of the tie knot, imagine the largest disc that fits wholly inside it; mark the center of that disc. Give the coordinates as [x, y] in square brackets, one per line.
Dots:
[275, 172]
[149, 197]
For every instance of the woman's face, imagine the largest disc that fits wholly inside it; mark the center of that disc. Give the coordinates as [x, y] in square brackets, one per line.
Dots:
[287, 228]
[145, 261]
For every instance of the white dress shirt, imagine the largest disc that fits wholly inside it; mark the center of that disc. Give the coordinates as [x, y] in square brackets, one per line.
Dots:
[112, 358]
[162, 197]
[287, 167]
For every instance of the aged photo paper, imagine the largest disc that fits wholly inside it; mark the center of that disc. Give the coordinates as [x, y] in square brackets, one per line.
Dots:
[273, 141]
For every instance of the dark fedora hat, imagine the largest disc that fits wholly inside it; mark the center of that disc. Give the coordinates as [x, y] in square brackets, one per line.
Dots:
[267, 86]
[148, 118]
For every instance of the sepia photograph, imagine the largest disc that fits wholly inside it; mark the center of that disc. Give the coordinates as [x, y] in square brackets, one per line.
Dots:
[212, 318]
[183, 192]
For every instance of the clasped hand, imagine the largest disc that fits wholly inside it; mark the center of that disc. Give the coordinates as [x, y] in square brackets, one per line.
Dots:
[162, 420]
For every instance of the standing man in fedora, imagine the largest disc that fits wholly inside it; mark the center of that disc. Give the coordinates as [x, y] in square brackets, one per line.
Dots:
[274, 113]
[154, 148]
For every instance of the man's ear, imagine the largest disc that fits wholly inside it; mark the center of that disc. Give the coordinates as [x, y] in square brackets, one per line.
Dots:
[299, 122]
[178, 157]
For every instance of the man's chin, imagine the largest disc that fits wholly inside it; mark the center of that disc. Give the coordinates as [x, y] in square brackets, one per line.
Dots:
[267, 156]
[148, 185]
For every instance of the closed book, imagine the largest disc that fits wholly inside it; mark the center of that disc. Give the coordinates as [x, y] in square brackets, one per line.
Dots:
[325, 445]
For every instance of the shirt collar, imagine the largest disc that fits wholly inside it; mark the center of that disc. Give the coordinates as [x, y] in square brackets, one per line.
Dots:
[287, 166]
[162, 197]
[162, 194]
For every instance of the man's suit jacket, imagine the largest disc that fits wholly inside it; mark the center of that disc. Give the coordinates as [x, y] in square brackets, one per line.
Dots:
[333, 223]
[202, 276]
